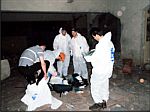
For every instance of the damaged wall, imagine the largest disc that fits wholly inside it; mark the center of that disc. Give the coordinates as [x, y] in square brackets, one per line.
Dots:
[55, 5]
[131, 13]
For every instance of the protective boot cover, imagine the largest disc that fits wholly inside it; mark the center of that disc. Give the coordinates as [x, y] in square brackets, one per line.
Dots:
[40, 95]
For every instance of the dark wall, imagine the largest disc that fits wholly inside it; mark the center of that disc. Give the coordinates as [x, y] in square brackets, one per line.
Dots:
[111, 23]
[16, 36]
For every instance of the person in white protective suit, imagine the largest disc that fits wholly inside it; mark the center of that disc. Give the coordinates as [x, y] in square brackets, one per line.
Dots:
[79, 46]
[102, 61]
[61, 42]
[51, 56]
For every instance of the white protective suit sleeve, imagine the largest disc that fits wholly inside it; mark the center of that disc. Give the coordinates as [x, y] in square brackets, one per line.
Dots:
[56, 43]
[83, 45]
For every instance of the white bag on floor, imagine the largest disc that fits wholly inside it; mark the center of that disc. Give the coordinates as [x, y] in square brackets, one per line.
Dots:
[56, 80]
[40, 95]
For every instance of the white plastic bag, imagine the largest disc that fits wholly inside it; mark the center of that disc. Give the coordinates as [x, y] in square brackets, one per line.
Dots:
[40, 95]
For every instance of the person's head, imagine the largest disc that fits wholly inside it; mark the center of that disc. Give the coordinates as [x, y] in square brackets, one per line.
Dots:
[42, 44]
[74, 32]
[97, 34]
[63, 31]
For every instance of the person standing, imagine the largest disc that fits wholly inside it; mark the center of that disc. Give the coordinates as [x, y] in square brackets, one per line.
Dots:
[102, 61]
[28, 65]
[62, 43]
[79, 46]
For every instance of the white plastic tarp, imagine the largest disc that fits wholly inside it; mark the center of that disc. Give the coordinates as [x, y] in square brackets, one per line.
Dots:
[40, 95]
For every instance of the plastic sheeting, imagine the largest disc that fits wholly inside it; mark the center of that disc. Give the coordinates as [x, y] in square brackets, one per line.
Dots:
[40, 95]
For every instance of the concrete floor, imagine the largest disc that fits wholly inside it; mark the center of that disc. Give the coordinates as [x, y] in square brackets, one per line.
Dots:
[126, 94]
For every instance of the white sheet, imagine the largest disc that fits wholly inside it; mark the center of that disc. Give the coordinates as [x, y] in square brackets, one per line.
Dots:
[40, 95]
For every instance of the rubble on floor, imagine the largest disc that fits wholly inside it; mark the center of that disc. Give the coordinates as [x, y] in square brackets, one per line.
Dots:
[127, 93]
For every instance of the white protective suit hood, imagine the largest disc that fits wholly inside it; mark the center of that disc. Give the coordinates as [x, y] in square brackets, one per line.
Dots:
[78, 34]
[60, 30]
[107, 37]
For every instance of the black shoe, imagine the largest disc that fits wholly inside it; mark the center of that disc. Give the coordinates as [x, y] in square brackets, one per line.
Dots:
[96, 107]
[31, 81]
[85, 81]
[64, 78]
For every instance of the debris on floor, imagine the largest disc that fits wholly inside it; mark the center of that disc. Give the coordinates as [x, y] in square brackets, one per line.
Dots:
[127, 93]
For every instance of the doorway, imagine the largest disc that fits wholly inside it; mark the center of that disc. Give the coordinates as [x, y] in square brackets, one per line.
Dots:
[147, 38]
[109, 22]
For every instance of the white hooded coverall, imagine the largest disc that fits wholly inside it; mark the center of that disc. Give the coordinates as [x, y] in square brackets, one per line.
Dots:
[79, 46]
[62, 42]
[102, 61]
[51, 56]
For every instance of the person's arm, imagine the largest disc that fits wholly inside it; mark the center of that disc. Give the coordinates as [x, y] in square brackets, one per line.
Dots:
[55, 43]
[43, 65]
[85, 46]
[91, 56]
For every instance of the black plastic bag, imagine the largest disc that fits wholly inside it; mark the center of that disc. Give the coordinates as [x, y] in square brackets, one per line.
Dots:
[59, 88]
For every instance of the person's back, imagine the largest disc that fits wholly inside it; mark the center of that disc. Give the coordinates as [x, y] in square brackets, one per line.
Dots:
[30, 55]
[51, 56]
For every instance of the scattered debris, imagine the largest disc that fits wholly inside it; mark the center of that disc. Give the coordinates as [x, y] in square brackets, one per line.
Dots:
[117, 105]
[114, 76]
[146, 66]
[127, 66]
[70, 107]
